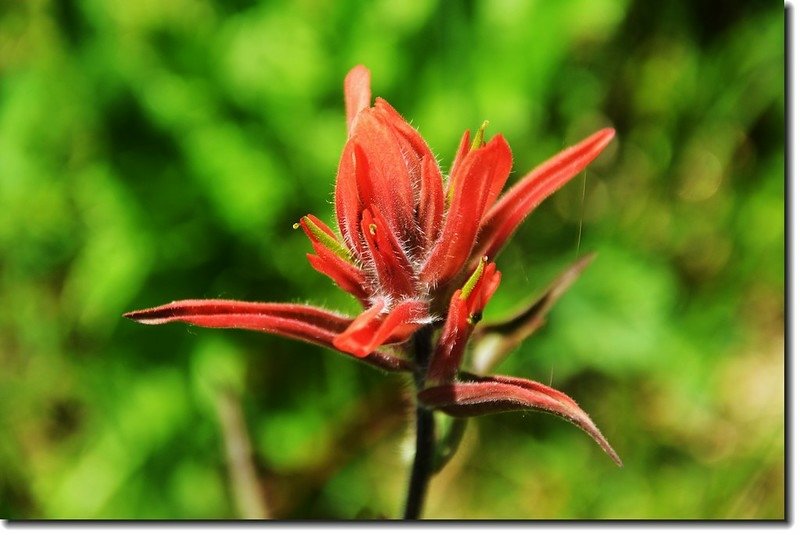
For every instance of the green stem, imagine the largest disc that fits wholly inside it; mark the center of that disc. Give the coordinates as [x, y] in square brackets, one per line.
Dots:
[422, 468]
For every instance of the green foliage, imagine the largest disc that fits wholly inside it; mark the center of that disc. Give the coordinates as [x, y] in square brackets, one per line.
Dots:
[157, 150]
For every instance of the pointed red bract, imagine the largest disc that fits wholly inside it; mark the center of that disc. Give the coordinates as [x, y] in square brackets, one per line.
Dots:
[382, 175]
[242, 315]
[410, 140]
[461, 152]
[466, 309]
[374, 327]
[452, 342]
[348, 277]
[424, 177]
[394, 272]
[482, 174]
[505, 216]
[302, 322]
[357, 93]
[347, 202]
[490, 395]
[431, 204]
[333, 259]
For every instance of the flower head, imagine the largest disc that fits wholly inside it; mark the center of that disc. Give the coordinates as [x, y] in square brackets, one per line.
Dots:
[416, 248]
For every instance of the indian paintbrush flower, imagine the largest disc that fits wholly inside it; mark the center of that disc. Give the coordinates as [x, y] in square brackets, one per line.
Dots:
[417, 248]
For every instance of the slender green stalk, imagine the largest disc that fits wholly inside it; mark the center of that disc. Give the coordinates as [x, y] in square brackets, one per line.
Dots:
[422, 468]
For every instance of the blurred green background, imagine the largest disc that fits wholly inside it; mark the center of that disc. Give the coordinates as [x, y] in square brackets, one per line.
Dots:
[157, 150]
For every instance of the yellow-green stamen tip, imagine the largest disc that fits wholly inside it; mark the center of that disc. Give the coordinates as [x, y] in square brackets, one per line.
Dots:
[373, 228]
[331, 243]
[296, 226]
[477, 141]
[473, 279]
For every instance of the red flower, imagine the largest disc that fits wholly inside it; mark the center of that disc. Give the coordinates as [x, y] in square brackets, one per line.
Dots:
[416, 249]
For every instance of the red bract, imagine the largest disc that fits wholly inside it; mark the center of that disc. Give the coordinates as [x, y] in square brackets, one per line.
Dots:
[417, 250]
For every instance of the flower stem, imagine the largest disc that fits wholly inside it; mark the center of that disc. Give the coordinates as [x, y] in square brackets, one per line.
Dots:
[422, 468]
